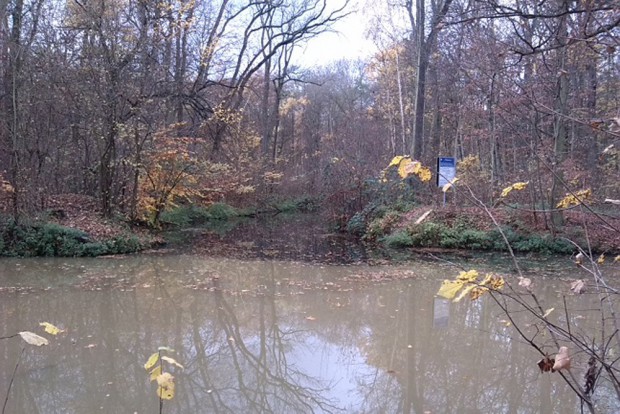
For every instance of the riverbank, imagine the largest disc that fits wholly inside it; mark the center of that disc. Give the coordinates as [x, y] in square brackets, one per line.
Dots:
[73, 226]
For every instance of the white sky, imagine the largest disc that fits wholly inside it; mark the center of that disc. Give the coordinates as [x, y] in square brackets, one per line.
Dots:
[347, 41]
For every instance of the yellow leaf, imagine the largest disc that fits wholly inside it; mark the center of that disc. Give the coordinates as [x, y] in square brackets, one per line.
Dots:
[449, 185]
[449, 288]
[396, 160]
[165, 389]
[33, 339]
[156, 372]
[469, 276]
[51, 329]
[548, 312]
[574, 199]
[172, 361]
[617, 259]
[601, 259]
[465, 292]
[151, 361]
[403, 167]
[424, 174]
[516, 186]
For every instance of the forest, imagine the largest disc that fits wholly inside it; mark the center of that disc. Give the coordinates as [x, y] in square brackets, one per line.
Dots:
[142, 107]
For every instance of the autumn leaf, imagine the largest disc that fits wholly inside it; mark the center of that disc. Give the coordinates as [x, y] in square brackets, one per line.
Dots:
[579, 258]
[574, 199]
[525, 282]
[578, 286]
[469, 276]
[449, 288]
[172, 361]
[151, 361]
[562, 360]
[165, 348]
[51, 329]
[396, 160]
[32, 338]
[548, 312]
[165, 389]
[465, 292]
[310, 318]
[156, 372]
[449, 185]
[516, 186]
[601, 259]
[546, 364]
[617, 259]
[406, 167]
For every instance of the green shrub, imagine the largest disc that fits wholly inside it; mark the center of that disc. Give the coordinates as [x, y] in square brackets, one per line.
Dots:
[51, 239]
[382, 225]
[356, 224]
[401, 238]
[221, 211]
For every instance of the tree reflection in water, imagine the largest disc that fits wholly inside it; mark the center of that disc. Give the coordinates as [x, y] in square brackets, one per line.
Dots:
[253, 339]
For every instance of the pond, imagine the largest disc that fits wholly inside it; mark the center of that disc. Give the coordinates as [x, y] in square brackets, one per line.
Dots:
[274, 336]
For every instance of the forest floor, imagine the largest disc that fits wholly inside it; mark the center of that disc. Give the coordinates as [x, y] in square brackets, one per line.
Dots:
[603, 231]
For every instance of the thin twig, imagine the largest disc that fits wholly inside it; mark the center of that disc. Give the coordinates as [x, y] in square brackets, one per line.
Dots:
[8, 392]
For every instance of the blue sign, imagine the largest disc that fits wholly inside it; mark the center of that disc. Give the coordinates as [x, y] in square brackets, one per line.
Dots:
[446, 170]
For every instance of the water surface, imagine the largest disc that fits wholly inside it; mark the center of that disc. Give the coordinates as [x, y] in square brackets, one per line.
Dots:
[266, 336]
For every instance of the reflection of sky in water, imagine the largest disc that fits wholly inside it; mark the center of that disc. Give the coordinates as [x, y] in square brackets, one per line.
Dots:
[339, 367]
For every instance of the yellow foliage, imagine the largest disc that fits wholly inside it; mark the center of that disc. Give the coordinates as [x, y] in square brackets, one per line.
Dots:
[466, 283]
[407, 166]
[469, 276]
[165, 389]
[150, 363]
[575, 199]
[155, 372]
[449, 288]
[617, 259]
[51, 329]
[516, 186]
[601, 259]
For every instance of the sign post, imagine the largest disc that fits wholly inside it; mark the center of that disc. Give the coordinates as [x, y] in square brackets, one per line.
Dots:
[446, 171]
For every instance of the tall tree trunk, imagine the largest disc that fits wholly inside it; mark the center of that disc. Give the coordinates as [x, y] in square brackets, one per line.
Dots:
[560, 132]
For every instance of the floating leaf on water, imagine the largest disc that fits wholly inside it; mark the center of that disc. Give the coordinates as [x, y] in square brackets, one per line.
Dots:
[172, 361]
[548, 312]
[578, 286]
[32, 338]
[51, 329]
[150, 363]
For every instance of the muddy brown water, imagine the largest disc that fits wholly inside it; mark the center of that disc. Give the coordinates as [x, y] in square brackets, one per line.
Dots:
[274, 336]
